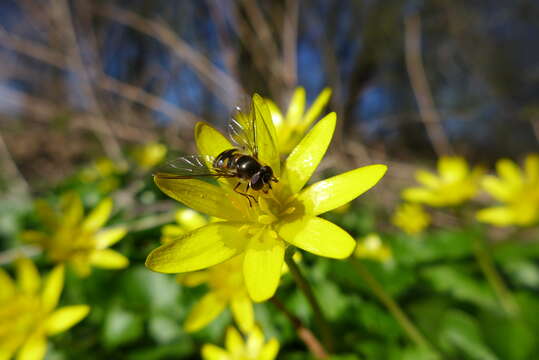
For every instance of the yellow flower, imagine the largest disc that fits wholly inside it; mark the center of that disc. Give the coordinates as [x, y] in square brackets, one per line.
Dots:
[28, 312]
[79, 240]
[287, 215]
[454, 185]
[186, 220]
[290, 128]
[227, 288]
[237, 349]
[411, 218]
[372, 247]
[149, 155]
[517, 190]
[103, 172]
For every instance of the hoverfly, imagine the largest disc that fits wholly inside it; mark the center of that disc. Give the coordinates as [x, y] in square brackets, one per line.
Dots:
[240, 162]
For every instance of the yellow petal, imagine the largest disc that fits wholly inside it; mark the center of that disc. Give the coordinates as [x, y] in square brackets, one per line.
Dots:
[242, 310]
[52, 288]
[498, 215]
[212, 352]
[255, 341]
[202, 196]
[336, 191]
[306, 156]
[190, 219]
[72, 209]
[108, 259]
[46, 214]
[28, 278]
[497, 188]
[276, 115]
[264, 257]
[509, 171]
[531, 166]
[270, 350]
[65, 317]
[32, 236]
[266, 138]
[108, 237]
[419, 195]
[81, 265]
[233, 341]
[427, 178]
[452, 168]
[194, 278]
[199, 249]
[318, 236]
[316, 108]
[35, 348]
[98, 217]
[7, 285]
[209, 140]
[296, 108]
[204, 312]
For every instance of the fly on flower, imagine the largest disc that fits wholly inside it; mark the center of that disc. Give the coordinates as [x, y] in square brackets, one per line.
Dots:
[241, 162]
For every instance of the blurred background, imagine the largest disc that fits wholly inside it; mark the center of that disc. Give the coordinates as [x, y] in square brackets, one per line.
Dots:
[410, 79]
[84, 85]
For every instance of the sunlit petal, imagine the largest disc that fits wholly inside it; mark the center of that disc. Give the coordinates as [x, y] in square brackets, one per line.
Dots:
[212, 352]
[269, 350]
[204, 312]
[202, 248]
[336, 191]
[64, 318]
[52, 288]
[72, 209]
[306, 156]
[7, 285]
[233, 341]
[276, 115]
[427, 178]
[194, 278]
[262, 265]
[318, 236]
[35, 348]
[28, 279]
[266, 138]
[242, 310]
[190, 219]
[108, 259]
[419, 195]
[509, 171]
[296, 108]
[452, 168]
[202, 196]
[255, 341]
[498, 215]
[209, 140]
[531, 166]
[98, 217]
[109, 237]
[316, 108]
[498, 189]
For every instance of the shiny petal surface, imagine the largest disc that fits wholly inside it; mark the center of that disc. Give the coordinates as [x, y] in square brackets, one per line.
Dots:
[296, 108]
[52, 288]
[498, 215]
[28, 279]
[66, 317]
[242, 310]
[264, 258]
[266, 137]
[98, 217]
[209, 140]
[109, 237]
[212, 352]
[336, 191]
[202, 248]
[306, 156]
[318, 236]
[108, 259]
[316, 108]
[202, 196]
[35, 348]
[204, 312]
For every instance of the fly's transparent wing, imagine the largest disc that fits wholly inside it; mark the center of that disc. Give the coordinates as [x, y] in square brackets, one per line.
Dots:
[242, 131]
[191, 166]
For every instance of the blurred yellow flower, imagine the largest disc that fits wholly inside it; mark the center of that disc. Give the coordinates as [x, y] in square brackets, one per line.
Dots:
[81, 241]
[28, 311]
[517, 190]
[291, 128]
[454, 184]
[238, 349]
[103, 172]
[287, 215]
[411, 218]
[226, 288]
[186, 220]
[149, 155]
[371, 247]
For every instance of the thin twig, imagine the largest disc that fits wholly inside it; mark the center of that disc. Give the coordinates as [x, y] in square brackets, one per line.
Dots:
[420, 85]
[289, 40]
[306, 335]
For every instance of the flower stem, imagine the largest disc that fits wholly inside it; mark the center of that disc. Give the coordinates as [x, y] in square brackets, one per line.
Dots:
[301, 281]
[406, 324]
[494, 278]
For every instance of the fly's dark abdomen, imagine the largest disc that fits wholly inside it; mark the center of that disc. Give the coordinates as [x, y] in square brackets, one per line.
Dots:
[226, 159]
[247, 166]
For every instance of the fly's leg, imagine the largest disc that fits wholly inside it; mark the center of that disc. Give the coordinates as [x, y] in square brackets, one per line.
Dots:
[248, 196]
